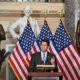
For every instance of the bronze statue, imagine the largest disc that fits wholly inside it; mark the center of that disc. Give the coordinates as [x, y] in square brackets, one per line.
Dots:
[2, 33]
[2, 52]
[78, 36]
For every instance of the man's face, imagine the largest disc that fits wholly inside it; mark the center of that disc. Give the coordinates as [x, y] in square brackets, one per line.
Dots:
[44, 46]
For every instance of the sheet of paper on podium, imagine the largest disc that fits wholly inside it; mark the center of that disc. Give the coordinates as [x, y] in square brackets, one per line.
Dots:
[45, 66]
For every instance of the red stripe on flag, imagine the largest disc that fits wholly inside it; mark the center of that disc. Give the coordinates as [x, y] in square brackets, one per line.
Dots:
[26, 75]
[34, 48]
[66, 66]
[78, 53]
[72, 64]
[61, 68]
[24, 61]
[51, 50]
[58, 62]
[30, 53]
[14, 69]
[27, 57]
[74, 57]
[34, 51]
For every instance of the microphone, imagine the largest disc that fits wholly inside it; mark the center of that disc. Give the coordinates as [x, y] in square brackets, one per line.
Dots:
[42, 62]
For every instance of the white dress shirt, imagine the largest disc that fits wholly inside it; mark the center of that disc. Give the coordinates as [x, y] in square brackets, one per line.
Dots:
[42, 56]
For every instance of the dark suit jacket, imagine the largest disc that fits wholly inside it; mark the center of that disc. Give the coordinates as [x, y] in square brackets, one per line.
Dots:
[36, 60]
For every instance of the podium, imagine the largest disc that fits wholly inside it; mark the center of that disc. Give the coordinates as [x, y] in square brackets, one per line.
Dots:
[45, 75]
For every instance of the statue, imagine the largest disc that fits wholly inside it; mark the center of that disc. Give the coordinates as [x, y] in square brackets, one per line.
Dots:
[21, 23]
[2, 33]
[2, 51]
[78, 36]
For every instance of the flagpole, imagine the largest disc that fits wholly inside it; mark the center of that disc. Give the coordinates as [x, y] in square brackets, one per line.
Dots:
[61, 15]
[28, 22]
[45, 16]
[62, 21]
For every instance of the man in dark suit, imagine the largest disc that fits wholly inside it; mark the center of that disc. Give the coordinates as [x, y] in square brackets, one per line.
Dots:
[43, 57]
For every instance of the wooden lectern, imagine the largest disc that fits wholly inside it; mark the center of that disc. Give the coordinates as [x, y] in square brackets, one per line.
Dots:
[45, 75]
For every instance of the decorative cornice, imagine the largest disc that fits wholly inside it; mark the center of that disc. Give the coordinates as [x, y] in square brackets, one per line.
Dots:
[35, 13]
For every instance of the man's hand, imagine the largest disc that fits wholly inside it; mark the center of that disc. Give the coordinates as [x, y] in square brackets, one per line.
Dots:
[52, 60]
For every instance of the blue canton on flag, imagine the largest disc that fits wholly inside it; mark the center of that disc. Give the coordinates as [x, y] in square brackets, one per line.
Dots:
[27, 39]
[66, 53]
[61, 38]
[44, 34]
[18, 59]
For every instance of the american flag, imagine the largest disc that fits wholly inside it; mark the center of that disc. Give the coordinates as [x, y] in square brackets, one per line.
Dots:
[67, 55]
[44, 34]
[21, 54]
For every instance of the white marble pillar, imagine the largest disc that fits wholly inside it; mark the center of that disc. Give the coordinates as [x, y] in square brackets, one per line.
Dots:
[70, 7]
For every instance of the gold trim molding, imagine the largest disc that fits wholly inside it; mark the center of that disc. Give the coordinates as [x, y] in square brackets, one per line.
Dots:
[35, 13]
[15, 9]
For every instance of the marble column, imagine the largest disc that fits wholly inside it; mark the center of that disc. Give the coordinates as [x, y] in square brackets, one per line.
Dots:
[70, 7]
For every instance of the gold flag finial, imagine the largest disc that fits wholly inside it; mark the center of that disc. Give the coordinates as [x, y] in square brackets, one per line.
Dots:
[61, 15]
[45, 16]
